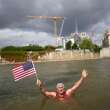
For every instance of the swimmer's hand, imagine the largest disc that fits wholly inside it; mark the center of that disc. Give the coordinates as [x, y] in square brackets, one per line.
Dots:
[84, 73]
[39, 83]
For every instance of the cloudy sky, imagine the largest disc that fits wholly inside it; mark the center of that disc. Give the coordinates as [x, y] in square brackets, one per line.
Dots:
[93, 16]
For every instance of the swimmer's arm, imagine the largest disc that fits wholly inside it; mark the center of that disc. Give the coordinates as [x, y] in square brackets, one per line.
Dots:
[78, 83]
[50, 94]
[75, 86]
[44, 91]
[47, 93]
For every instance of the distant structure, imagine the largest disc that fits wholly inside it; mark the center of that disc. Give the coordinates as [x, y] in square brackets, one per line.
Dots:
[106, 40]
[75, 37]
[55, 20]
[0, 59]
[105, 52]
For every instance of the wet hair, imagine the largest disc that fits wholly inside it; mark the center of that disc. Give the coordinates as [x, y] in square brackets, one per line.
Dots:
[59, 85]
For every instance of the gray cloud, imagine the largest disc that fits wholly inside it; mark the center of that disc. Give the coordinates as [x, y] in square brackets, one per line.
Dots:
[88, 12]
[18, 37]
[91, 15]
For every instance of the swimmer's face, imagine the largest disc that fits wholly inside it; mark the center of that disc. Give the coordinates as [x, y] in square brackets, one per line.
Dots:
[60, 88]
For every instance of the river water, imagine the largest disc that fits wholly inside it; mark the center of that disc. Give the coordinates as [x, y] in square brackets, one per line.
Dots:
[93, 94]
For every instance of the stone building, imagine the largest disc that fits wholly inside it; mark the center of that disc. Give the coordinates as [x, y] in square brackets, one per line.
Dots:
[106, 40]
[75, 37]
[105, 52]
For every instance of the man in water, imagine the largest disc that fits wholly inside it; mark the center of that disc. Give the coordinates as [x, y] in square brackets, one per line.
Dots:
[60, 93]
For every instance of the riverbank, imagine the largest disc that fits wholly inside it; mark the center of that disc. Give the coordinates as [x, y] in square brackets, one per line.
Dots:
[68, 56]
[44, 61]
[62, 56]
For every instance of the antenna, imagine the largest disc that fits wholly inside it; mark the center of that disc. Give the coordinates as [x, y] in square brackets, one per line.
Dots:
[76, 26]
[61, 29]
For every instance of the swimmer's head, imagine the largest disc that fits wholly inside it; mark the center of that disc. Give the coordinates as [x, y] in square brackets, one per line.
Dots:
[60, 88]
[60, 85]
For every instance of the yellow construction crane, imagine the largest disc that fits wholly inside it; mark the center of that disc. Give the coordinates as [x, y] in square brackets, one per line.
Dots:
[55, 19]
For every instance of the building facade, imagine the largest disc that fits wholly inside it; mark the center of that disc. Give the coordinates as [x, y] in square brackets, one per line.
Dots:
[106, 40]
[76, 37]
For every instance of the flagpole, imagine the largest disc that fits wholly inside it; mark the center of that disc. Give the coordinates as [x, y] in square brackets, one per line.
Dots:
[30, 59]
[35, 69]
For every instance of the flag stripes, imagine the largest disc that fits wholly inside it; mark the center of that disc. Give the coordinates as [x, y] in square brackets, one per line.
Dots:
[23, 71]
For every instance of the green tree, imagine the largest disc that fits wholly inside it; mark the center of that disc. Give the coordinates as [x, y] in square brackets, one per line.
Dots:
[50, 48]
[69, 45]
[32, 48]
[60, 46]
[86, 44]
[12, 53]
[96, 48]
[10, 48]
[75, 46]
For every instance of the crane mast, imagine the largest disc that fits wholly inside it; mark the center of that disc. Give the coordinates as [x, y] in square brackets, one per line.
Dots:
[55, 20]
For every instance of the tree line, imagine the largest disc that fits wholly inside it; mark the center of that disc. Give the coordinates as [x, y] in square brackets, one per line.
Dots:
[20, 53]
[85, 44]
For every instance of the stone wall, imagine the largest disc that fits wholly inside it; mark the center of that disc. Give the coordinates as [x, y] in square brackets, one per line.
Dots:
[68, 55]
[105, 52]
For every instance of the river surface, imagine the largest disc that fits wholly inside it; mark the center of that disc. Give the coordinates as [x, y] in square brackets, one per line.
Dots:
[93, 94]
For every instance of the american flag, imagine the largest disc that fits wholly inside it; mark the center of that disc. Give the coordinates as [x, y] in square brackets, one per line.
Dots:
[23, 70]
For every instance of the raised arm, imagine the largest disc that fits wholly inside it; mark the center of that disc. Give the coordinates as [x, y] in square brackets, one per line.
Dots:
[78, 83]
[43, 90]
